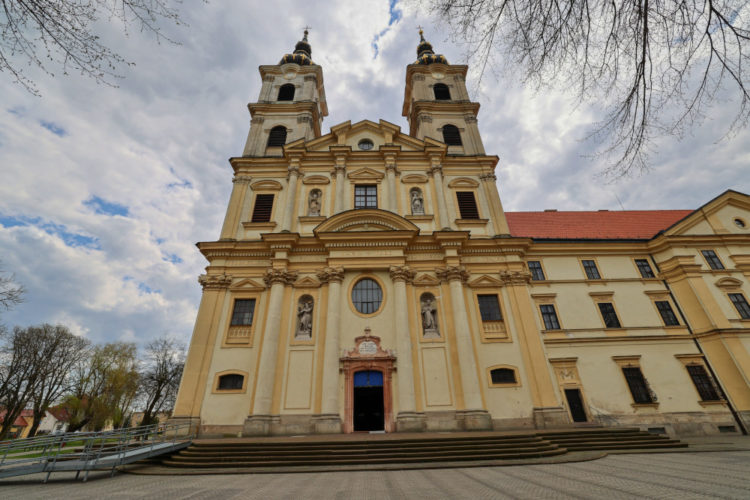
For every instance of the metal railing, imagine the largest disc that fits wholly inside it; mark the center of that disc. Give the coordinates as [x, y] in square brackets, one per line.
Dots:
[86, 451]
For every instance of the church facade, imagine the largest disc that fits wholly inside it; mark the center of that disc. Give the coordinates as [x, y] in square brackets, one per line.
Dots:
[368, 279]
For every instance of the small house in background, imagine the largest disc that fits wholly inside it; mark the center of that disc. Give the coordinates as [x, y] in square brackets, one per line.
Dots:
[22, 424]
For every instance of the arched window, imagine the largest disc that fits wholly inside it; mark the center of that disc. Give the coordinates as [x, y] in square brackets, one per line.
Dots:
[277, 137]
[503, 376]
[451, 135]
[231, 382]
[286, 92]
[442, 93]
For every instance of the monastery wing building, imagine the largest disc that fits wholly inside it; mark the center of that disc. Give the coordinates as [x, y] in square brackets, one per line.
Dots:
[368, 279]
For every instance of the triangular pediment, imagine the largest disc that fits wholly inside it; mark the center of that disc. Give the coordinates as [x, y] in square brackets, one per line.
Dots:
[725, 214]
[426, 280]
[366, 174]
[485, 281]
[247, 284]
[463, 182]
[365, 220]
[307, 282]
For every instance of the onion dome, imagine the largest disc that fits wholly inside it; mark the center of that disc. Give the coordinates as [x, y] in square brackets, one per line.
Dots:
[425, 55]
[302, 53]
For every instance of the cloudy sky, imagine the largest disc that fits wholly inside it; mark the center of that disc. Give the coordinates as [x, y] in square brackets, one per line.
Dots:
[104, 191]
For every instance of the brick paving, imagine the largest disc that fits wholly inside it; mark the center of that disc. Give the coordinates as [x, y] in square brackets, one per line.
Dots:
[665, 475]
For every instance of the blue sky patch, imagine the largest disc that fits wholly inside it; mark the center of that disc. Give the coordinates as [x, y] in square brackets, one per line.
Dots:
[10, 221]
[70, 238]
[54, 128]
[396, 15]
[173, 258]
[104, 207]
[144, 288]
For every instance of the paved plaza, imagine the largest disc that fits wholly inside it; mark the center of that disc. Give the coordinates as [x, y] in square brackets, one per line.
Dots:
[662, 475]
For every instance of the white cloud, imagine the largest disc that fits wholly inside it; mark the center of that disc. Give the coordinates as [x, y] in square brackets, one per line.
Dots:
[158, 146]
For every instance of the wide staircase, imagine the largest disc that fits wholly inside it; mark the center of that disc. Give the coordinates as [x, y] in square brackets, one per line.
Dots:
[428, 450]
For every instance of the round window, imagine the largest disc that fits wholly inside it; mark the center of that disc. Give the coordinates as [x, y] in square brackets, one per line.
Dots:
[365, 145]
[740, 223]
[367, 296]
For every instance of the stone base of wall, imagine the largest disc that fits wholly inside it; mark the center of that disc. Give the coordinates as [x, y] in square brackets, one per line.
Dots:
[460, 420]
[551, 417]
[674, 424]
[410, 421]
[192, 428]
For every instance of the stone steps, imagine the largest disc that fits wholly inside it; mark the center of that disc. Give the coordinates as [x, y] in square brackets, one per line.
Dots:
[610, 439]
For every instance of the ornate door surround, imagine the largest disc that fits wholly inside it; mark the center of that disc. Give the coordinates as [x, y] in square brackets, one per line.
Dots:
[368, 355]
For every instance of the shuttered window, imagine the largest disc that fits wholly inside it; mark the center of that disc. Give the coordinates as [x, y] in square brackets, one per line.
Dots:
[263, 208]
[286, 92]
[277, 137]
[467, 205]
[451, 135]
[637, 385]
[442, 93]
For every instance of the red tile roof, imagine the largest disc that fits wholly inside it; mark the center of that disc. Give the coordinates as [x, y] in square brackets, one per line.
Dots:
[600, 225]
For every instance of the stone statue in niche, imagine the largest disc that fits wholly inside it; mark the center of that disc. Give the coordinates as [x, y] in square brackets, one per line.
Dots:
[417, 203]
[429, 317]
[313, 205]
[304, 318]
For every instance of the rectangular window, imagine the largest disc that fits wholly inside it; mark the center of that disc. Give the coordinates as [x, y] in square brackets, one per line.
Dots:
[365, 196]
[667, 314]
[712, 259]
[535, 267]
[644, 268]
[262, 209]
[592, 272]
[243, 312]
[489, 308]
[740, 303]
[467, 205]
[702, 382]
[637, 385]
[609, 315]
[549, 316]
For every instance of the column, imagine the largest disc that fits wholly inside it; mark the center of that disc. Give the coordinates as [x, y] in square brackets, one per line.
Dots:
[475, 417]
[548, 411]
[340, 170]
[437, 172]
[330, 419]
[407, 420]
[392, 196]
[187, 408]
[259, 421]
[240, 185]
[291, 197]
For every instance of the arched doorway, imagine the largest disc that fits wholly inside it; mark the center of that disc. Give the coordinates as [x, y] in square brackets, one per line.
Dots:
[369, 407]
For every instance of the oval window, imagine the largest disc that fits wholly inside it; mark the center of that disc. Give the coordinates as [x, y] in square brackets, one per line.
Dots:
[365, 145]
[367, 296]
[739, 223]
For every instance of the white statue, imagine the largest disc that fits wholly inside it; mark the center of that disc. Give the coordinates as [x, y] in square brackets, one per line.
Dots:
[313, 207]
[417, 204]
[304, 319]
[429, 317]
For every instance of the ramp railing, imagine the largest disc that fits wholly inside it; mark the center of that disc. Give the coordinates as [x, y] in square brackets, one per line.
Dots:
[86, 451]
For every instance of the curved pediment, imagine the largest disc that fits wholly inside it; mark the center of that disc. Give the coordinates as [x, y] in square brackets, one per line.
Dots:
[365, 220]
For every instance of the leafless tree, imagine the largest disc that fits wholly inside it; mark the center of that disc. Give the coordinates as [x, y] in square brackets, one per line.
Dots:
[160, 377]
[656, 64]
[64, 350]
[62, 34]
[11, 293]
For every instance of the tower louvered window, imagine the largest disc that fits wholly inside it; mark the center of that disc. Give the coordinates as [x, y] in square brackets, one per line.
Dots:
[467, 205]
[286, 92]
[277, 137]
[442, 93]
[451, 135]
[263, 208]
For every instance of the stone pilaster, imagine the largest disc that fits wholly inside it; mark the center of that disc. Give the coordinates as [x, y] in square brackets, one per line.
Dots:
[291, 197]
[436, 170]
[390, 172]
[329, 421]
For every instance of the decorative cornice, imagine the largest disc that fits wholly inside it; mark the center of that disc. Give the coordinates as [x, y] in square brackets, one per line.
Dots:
[242, 179]
[214, 282]
[488, 177]
[515, 277]
[470, 119]
[279, 276]
[402, 273]
[257, 120]
[331, 275]
[452, 273]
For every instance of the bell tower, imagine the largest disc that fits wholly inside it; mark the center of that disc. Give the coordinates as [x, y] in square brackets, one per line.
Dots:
[291, 104]
[437, 104]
